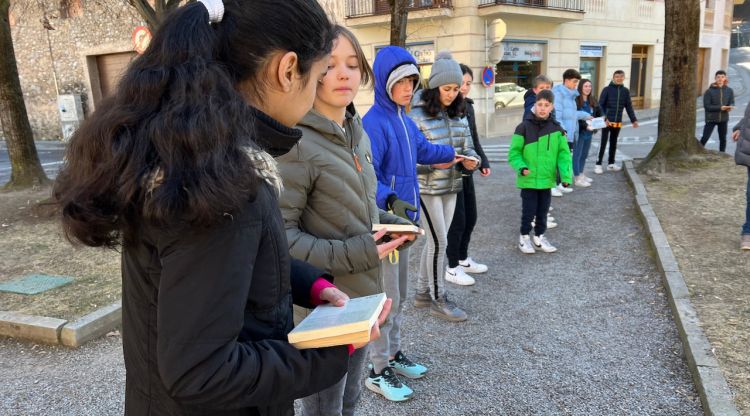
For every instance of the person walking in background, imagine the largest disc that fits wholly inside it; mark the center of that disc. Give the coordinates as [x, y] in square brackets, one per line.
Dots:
[538, 150]
[567, 112]
[328, 203]
[540, 83]
[613, 99]
[439, 111]
[177, 169]
[741, 135]
[465, 214]
[397, 147]
[718, 101]
[587, 103]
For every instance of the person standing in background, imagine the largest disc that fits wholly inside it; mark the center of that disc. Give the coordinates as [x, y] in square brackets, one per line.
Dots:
[718, 101]
[614, 98]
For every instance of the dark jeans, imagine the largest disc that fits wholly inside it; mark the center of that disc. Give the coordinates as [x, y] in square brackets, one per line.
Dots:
[464, 220]
[708, 130]
[610, 133]
[746, 226]
[535, 203]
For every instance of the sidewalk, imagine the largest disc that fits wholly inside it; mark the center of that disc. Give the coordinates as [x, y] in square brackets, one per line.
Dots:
[585, 331]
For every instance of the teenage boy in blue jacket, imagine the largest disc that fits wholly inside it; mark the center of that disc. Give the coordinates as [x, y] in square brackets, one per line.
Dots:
[397, 147]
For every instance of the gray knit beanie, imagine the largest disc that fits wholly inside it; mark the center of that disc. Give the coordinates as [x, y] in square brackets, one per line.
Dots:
[445, 70]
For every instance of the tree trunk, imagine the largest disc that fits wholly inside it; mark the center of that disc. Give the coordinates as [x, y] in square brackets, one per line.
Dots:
[399, 15]
[26, 169]
[676, 133]
[153, 12]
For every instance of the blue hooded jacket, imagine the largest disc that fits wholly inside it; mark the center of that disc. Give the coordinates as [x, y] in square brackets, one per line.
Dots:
[566, 110]
[397, 143]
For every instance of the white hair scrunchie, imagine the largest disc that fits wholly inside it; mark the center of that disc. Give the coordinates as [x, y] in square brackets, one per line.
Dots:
[215, 10]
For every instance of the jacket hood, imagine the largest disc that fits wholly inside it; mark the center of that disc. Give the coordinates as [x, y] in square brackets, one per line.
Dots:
[528, 94]
[536, 120]
[388, 59]
[565, 91]
[331, 130]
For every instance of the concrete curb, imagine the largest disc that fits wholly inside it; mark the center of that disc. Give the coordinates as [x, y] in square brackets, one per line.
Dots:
[59, 331]
[716, 396]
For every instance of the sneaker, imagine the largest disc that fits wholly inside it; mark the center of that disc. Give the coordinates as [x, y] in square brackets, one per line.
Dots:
[564, 190]
[582, 183]
[598, 169]
[470, 266]
[445, 309]
[550, 208]
[550, 218]
[556, 192]
[613, 168]
[422, 299]
[388, 385]
[551, 224]
[586, 178]
[543, 244]
[458, 276]
[406, 367]
[745, 242]
[524, 244]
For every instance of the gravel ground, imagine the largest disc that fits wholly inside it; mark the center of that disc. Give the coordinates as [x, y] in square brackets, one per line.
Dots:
[585, 331]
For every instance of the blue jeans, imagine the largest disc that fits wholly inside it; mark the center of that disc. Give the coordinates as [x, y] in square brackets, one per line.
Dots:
[581, 151]
[746, 226]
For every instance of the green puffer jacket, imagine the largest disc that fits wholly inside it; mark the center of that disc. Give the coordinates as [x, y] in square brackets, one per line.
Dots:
[328, 202]
[540, 146]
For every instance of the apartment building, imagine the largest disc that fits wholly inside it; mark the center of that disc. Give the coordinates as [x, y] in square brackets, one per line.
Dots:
[522, 38]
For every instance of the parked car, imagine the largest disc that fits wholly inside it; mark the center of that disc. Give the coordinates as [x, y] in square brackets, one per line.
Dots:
[508, 94]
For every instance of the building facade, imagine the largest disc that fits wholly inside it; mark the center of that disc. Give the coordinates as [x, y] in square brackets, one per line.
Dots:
[92, 42]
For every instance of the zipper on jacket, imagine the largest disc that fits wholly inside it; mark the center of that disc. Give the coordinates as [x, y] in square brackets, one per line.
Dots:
[617, 105]
[411, 156]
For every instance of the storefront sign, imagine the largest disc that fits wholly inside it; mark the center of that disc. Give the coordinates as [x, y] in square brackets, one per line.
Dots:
[488, 76]
[423, 52]
[588, 51]
[521, 51]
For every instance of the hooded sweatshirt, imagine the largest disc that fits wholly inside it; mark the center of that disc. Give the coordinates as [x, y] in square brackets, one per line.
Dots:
[397, 143]
[328, 202]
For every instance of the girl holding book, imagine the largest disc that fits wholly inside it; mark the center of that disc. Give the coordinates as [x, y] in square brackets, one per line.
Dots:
[176, 170]
[328, 202]
[439, 111]
[586, 101]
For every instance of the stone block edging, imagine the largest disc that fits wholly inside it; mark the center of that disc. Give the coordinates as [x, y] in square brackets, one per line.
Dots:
[59, 331]
[715, 394]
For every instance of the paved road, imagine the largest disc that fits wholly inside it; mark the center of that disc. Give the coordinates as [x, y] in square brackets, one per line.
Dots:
[586, 331]
[50, 154]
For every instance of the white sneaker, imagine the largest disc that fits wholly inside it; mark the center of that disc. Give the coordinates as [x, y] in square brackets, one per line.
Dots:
[551, 224]
[550, 208]
[470, 266]
[581, 183]
[456, 275]
[598, 169]
[543, 244]
[564, 189]
[613, 168]
[524, 244]
[556, 192]
[550, 218]
[587, 179]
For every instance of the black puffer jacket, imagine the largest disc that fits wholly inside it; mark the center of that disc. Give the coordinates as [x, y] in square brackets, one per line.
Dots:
[472, 119]
[713, 99]
[206, 313]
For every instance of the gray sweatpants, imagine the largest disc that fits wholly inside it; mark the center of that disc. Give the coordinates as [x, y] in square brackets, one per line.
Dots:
[341, 398]
[395, 278]
[436, 214]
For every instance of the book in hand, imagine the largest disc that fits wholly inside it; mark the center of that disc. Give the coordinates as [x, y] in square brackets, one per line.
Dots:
[329, 325]
[597, 123]
[469, 158]
[398, 229]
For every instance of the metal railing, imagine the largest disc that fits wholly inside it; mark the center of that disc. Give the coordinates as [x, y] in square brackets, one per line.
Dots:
[569, 5]
[357, 8]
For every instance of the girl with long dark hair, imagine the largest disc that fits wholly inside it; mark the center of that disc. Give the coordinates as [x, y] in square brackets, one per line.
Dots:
[176, 169]
[439, 111]
[586, 101]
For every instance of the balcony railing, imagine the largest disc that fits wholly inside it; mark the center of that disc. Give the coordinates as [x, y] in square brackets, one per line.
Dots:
[568, 5]
[357, 8]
